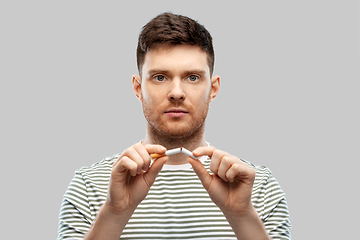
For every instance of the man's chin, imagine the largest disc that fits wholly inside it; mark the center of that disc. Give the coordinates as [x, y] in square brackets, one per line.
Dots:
[179, 133]
[176, 130]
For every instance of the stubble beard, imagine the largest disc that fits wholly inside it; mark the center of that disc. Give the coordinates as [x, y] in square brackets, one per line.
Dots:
[175, 132]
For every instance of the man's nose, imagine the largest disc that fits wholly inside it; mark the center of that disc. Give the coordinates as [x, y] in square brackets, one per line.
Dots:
[176, 92]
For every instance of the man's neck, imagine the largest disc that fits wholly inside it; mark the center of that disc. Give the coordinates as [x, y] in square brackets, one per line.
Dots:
[197, 139]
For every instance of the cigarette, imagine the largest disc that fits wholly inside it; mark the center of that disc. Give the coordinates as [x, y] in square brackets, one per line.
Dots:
[167, 153]
[187, 152]
[174, 151]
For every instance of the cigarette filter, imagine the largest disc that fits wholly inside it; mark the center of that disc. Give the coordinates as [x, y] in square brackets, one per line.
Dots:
[167, 153]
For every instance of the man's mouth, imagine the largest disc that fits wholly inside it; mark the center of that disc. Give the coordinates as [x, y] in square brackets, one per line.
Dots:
[176, 112]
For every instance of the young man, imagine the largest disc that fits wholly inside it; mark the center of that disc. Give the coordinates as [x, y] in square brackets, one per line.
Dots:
[216, 196]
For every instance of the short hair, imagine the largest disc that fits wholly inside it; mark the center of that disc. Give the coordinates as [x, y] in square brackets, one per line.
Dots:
[172, 29]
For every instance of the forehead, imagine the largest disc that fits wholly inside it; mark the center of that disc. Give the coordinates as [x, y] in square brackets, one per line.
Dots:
[176, 58]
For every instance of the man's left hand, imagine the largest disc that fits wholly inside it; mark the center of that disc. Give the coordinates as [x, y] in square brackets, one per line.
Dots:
[230, 185]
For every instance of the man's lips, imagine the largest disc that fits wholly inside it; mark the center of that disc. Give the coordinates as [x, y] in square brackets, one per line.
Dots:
[176, 112]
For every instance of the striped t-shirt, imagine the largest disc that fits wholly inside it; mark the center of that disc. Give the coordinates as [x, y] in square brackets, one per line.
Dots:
[176, 207]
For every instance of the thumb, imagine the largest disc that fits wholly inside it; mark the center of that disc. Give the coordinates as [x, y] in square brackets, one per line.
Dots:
[155, 169]
[201, 172]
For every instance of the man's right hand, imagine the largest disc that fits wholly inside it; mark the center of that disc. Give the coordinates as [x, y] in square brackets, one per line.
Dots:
[132, 177]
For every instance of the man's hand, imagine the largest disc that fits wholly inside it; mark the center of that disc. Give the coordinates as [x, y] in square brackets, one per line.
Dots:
[230, 188]
[132, 176]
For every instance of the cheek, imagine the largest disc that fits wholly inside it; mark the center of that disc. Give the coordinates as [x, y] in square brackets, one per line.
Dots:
[151, 103]
[204, 98]
[147, 97]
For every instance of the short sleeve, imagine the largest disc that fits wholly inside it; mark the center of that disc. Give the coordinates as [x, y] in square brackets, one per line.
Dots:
[274, 210]
[75, 216]
[278, 222]
[270, 203]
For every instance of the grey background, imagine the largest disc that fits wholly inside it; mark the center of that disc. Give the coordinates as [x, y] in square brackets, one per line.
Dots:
[288, 100]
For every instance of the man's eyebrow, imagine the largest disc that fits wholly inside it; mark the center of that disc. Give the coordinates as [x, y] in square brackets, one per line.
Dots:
[156, 71]
[187, 72]
[195, 71]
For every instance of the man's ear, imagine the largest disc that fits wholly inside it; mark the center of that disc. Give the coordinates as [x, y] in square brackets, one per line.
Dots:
[136, 81]
[215, 87]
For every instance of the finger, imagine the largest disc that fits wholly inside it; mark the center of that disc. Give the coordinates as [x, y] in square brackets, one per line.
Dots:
[216, 160]
[242, 172]
[154, 170]
[201, 172]
[202, 151]
[143, 153]
[154, 149]
[124, 165]
[214, 154]
[158, 149]
[233, 171]
[225, 164]
[135, 156]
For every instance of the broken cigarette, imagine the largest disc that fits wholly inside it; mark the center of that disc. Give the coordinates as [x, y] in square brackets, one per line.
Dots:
[174, 151]
[187, 152]
[167, 153]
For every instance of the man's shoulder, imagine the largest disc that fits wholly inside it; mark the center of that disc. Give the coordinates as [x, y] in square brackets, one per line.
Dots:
[263, 175]
[104, 166]
[262, 170]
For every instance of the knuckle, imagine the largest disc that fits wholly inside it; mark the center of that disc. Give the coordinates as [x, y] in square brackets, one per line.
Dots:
[219, 153]
[227, 160]
[216, 152]
[212, 148]
[133, 154]
[137, 145]
[128, 151]
[237, 167]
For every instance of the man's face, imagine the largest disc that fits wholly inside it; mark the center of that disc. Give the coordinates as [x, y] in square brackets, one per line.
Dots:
[176, 89]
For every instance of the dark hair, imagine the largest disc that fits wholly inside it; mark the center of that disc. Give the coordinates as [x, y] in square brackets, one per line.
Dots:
[171, 29]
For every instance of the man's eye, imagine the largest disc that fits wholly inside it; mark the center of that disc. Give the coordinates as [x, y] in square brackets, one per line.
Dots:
[160, 78]
[193, 78]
